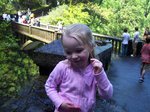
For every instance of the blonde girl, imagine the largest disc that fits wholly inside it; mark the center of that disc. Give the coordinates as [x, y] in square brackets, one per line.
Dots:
[73, 83]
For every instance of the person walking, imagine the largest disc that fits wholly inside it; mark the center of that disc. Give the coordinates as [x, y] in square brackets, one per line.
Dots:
[145, 57]
[73, 82]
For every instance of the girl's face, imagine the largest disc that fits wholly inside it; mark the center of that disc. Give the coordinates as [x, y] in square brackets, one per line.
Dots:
[76, 52]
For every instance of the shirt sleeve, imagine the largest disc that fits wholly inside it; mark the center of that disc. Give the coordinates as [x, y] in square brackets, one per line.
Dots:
[105, 88]
[52, 83]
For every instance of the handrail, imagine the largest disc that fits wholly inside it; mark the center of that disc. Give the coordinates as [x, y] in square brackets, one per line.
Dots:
[42, 34]
[48, 26]
[116, 42]
[47, 35]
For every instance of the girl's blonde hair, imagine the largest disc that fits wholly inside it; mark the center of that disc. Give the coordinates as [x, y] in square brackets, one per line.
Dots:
[81, 33]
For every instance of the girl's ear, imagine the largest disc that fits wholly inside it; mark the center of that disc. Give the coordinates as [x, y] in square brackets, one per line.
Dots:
[90, 48]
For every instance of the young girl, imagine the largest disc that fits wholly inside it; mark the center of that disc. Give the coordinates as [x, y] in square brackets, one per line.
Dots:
[145, 56]
[73, 82]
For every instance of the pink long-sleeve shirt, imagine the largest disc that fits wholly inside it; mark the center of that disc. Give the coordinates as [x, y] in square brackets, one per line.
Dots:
[76, 86]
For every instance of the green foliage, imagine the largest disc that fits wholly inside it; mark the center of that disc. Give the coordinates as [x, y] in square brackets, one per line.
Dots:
[3, 5]
[12, 6]
[99, 18]
[127, 13]
[55, 15]
[68, 15]
[16, 67]
[107, 17]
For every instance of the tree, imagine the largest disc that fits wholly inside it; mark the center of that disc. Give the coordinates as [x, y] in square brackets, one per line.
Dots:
[147, 7]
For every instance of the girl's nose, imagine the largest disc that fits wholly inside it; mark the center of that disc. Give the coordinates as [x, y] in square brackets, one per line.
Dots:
[74, 56]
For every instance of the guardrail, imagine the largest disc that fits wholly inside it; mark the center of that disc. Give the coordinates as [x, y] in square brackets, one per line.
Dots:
[116, 42]
[49, 33]
[48, 26]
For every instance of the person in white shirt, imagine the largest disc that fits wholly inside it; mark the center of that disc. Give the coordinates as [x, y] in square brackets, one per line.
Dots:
[8, 18]
[135, 41]
[4, 16]
[60, 26]
[125, 40]
[19, 13]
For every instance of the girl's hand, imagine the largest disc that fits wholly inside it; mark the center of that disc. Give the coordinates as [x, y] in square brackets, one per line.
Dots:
[69, 107]
[97, 65]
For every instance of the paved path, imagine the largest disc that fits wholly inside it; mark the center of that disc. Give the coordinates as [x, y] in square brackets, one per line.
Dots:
[129, 94]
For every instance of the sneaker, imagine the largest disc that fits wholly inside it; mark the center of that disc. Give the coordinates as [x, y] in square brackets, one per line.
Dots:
[141, 80]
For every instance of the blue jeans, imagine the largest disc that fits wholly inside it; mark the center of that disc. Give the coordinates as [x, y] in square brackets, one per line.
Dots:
[124, 49]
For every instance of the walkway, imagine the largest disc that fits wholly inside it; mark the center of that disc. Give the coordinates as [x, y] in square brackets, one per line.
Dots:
[129, 94]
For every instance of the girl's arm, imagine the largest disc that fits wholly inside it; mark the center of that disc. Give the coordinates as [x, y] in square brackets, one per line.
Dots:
[52, 84]
[105, 88]
[52, 90]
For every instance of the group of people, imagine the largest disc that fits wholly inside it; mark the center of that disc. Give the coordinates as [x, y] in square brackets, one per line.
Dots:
[24, 17]
[28, 18]
[145, 51]
[125, 41]
[8, 17]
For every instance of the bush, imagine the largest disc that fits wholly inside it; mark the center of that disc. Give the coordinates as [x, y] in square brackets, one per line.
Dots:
[16, 67]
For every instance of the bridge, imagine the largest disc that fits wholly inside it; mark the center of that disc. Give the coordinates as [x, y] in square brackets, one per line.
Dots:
[129, 95]
[49, 33]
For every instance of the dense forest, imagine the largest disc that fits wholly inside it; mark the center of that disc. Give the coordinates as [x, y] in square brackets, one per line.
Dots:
[107, 17]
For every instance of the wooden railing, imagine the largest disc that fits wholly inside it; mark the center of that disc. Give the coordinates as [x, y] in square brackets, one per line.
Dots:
[48, 26]
[49, 33]
[42, 34]
[116, 42]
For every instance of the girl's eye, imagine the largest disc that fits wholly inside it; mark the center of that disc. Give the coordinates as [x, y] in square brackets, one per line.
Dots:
[68, 53]
[79, 50]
